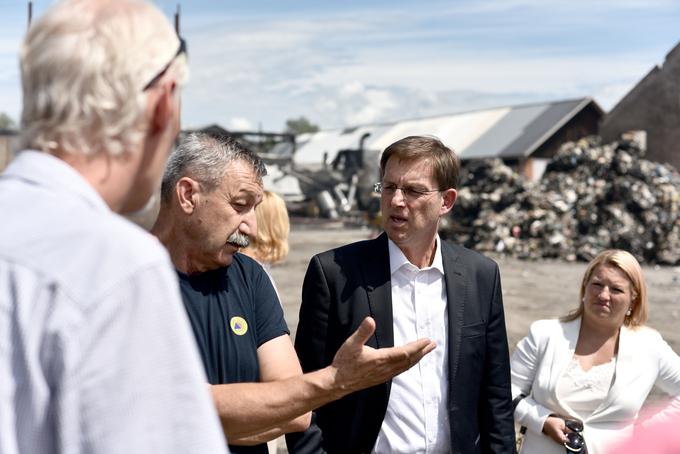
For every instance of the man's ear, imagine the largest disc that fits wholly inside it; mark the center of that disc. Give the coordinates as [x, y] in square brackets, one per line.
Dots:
[448, 199]
[188, 194]
[163, 107]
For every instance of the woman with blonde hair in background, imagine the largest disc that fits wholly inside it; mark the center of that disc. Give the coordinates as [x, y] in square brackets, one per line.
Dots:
[273, 227]
[582, 379]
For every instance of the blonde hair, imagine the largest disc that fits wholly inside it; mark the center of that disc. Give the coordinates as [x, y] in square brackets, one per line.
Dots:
[84, 65]
[625, 262]
[273, 227]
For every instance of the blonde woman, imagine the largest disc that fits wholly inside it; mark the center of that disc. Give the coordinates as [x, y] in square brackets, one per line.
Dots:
[584, 378]
[273, 227]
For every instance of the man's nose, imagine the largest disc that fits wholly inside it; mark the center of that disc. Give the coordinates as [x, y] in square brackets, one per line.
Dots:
[248, 224]
[398, 198]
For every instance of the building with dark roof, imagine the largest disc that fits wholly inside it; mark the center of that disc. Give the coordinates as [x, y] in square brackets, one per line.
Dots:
[524, 136]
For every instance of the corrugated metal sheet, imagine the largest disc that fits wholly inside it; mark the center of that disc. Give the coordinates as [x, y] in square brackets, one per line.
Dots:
[311, 147]
[507, 132]
[457, 131]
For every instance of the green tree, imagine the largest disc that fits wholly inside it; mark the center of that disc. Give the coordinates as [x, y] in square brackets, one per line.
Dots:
[300, 126]
[6, 121]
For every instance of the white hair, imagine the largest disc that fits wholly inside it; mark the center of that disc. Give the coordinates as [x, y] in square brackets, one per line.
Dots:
[84, 65]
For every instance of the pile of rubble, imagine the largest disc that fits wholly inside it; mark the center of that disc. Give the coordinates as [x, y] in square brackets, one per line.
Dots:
[592, 196]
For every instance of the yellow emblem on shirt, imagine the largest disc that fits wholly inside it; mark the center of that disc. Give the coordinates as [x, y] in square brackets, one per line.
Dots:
[238, 325]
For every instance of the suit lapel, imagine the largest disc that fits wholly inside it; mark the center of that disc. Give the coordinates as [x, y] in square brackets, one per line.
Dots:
[456, 298]
[376, 269]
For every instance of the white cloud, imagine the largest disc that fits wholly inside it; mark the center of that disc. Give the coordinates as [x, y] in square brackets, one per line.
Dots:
[325, 104]
[351, 89]
[240, 124]
[377, 104]
[368, 63]
[358, 67]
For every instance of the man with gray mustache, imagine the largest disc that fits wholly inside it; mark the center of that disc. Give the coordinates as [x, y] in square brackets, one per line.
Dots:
[239, 239]
[209, 193]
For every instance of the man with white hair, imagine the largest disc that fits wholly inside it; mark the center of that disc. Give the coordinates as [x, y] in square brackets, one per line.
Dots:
[96, 352]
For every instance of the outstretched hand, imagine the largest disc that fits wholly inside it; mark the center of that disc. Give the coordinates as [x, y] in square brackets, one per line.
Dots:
[358, 366]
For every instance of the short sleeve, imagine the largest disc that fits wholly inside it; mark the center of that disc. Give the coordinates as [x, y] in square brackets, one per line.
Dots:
[268, 311]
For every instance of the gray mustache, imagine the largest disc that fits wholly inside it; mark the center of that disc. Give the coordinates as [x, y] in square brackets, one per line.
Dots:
[239, 239]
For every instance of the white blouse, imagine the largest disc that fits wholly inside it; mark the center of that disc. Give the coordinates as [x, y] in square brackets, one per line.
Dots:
[584, 391]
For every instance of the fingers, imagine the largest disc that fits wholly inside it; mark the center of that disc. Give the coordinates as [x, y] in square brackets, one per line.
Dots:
[419, 348]
[411, 353]
[554, 428]
[561, 430]
[363, 332]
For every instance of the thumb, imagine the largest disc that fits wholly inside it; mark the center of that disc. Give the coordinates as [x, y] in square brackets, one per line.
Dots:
[363, 332]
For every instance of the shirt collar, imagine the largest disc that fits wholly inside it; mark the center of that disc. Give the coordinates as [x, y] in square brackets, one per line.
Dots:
[398, 259]
[43, 169]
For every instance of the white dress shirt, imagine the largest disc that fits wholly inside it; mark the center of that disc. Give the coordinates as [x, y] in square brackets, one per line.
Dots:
[417, 419]
[96, 351]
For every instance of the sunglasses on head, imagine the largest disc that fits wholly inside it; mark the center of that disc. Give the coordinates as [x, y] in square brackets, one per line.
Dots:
[181, 50]
[575, 442]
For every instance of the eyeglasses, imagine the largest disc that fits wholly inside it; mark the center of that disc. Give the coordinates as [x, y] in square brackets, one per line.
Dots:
[410, 192]
[575, 442]
[181, 50]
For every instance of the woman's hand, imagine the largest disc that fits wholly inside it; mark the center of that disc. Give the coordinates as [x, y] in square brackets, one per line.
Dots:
[554, 428]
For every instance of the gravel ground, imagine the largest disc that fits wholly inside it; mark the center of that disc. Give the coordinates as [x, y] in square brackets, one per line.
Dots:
[531, 290]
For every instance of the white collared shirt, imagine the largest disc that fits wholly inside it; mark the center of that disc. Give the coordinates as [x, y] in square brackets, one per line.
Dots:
[417, 420]
[96, 350]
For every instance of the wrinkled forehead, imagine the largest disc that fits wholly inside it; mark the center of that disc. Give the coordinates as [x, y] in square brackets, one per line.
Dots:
[240, 176]
[410, 169]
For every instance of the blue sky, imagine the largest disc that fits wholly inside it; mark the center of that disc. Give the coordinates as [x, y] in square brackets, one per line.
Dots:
[255, 64]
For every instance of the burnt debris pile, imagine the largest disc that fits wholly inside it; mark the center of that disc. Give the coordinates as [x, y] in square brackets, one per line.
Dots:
[592, 196]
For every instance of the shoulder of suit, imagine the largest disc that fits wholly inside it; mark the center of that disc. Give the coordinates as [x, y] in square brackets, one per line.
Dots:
[547, 327]
[356, 249]
[644, 332]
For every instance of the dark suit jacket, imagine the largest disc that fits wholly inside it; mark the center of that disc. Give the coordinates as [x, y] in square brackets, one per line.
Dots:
[344, 285]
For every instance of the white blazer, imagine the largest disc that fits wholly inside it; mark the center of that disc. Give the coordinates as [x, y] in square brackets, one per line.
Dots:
[644, 359]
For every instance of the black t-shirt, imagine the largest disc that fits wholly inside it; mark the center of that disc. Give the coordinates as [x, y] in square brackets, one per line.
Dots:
[233, 311]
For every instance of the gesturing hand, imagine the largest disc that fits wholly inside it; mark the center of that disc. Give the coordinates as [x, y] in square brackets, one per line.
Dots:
[358, 366]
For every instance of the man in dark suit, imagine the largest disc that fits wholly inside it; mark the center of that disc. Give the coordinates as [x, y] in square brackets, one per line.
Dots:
[457, 399]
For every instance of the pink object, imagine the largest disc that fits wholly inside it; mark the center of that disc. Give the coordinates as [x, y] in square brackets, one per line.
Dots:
[658, 438]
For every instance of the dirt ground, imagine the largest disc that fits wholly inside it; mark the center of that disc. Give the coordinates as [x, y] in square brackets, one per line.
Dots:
[531, 290]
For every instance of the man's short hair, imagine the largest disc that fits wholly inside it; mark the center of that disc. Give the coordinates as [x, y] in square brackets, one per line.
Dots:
[204, 158]
[445, 163]
[83, 74]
